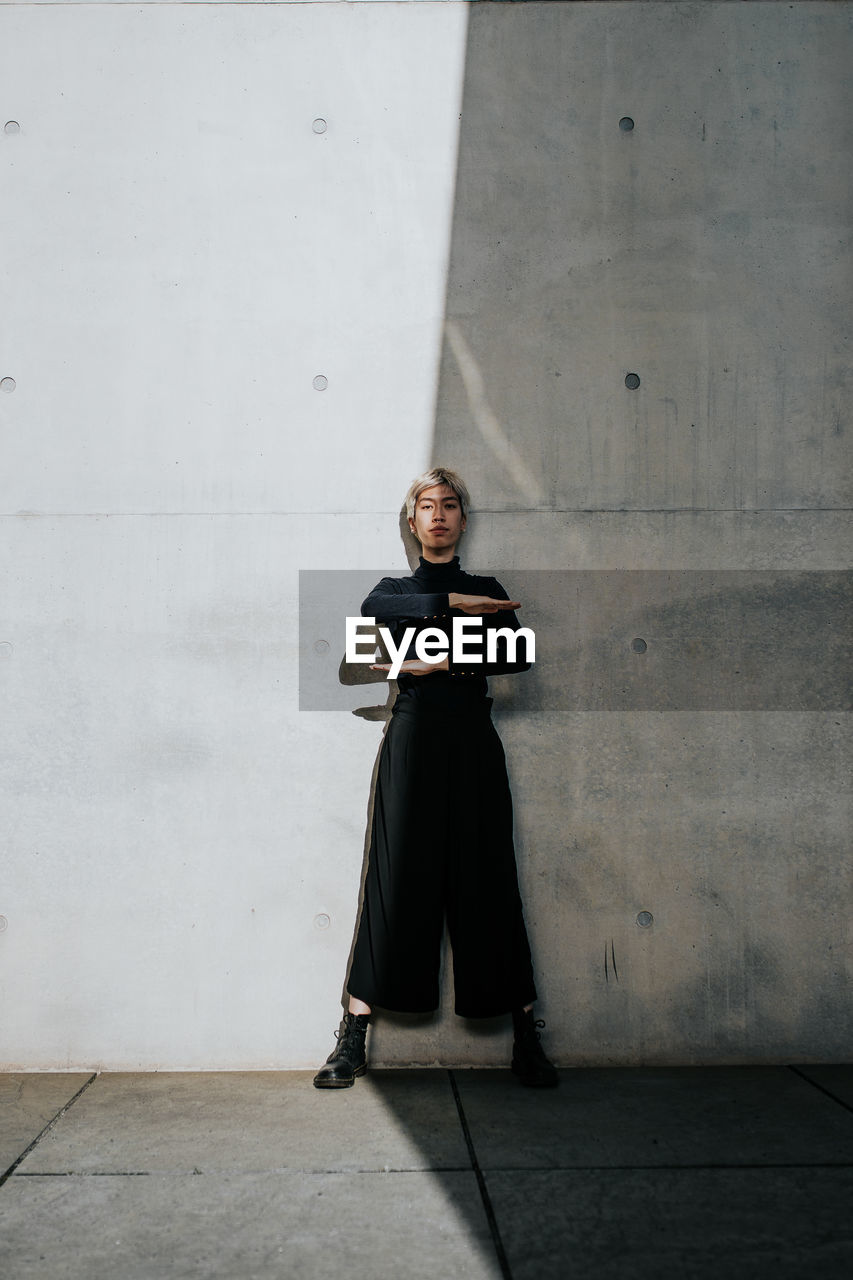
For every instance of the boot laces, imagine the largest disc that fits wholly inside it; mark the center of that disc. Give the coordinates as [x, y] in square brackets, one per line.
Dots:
[349, 1038]
[528, 1045]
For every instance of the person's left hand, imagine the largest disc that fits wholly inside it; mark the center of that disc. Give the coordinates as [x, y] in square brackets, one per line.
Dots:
[413, 667]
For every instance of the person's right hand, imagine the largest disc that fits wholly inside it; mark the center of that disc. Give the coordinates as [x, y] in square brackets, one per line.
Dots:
[476, 605]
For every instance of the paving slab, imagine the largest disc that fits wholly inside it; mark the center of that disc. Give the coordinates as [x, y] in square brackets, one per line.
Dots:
[837, 1079]
[255, 1121]
[676, 1224]
[654, 1116]
[316, 1226]
[28, 1102]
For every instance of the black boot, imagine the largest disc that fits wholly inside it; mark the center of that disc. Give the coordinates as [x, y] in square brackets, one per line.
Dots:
[528, 1057]
[348, 1059]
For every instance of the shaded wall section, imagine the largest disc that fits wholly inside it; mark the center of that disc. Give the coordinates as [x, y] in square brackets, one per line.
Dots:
[663, 190]
[704, 249]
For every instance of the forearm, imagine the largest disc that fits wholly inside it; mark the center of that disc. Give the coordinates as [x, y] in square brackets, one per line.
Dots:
[394, 606]
[507, 650]
[487, 668]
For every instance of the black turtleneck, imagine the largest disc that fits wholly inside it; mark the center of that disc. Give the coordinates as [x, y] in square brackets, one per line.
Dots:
[422, 601]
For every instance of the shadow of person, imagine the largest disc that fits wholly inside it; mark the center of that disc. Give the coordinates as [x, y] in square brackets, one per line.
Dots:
[356, 673]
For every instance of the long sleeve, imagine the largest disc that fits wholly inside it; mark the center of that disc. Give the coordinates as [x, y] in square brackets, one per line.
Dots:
[400, 603]
[391, 601]
[494, 622]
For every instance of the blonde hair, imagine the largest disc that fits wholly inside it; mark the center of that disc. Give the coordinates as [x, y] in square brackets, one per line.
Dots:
[437, 475]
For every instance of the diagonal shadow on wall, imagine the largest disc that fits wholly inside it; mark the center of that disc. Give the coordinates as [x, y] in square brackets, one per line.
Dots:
[613, 393]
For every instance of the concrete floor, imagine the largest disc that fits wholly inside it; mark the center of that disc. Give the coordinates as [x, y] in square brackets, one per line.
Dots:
[664, 1172]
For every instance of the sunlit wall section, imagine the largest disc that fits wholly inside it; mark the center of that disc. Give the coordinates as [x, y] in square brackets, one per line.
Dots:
[225, 231]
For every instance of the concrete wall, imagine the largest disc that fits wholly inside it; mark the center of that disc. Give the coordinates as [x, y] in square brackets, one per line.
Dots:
[183, 254]
[705, 250]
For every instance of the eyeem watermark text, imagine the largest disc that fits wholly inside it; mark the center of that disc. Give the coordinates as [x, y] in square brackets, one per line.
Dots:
[432, 645]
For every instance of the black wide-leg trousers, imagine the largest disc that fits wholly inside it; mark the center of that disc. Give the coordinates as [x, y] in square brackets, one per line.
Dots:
[441, 847]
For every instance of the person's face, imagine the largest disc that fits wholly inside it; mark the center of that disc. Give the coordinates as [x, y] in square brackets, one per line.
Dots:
[438, 522]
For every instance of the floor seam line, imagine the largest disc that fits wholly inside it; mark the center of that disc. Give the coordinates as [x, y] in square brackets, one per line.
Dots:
[231, 1171]
[820, 1087]
[503, 1260]
[663, 1168]
[384, 1173]
[47, 1128]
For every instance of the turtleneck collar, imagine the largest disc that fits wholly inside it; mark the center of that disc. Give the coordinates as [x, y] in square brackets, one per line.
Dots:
[429, 569]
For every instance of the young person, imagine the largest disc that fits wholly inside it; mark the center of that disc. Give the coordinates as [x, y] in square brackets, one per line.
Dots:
[441, 841]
